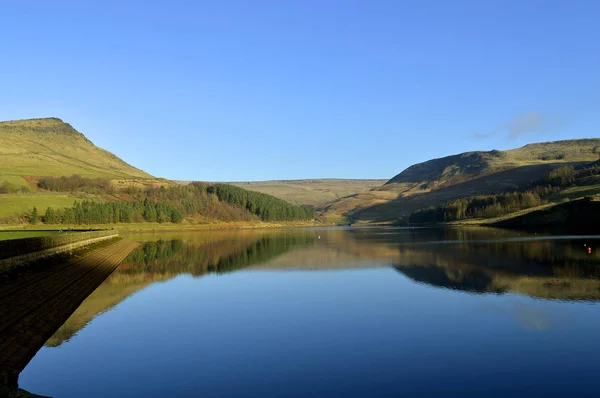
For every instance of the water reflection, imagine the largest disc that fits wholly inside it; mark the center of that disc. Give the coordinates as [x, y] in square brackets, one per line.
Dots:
[549, 269]
[175, 254]
[243, 302]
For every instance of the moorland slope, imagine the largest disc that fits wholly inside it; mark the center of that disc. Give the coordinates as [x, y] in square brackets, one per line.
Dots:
[438, 181]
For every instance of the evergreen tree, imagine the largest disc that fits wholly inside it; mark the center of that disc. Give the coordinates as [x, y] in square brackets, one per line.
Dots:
[50, 217]
[149, 211]
[34, 218]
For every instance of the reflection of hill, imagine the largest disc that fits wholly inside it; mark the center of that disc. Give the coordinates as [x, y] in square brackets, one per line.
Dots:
[476, 281]
[544, 269]
[161, 260]
[362, 247]
[481, 260]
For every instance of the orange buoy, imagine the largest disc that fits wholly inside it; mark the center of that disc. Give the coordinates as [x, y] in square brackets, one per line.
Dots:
[589, 250]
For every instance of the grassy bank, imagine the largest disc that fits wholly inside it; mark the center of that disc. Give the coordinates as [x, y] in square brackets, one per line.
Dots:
[150, 227]
[10, 235]
[19, 204]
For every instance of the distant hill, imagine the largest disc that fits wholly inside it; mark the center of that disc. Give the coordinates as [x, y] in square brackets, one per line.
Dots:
[51, 147]
[450, 170]
[472, 173]
[313, 192]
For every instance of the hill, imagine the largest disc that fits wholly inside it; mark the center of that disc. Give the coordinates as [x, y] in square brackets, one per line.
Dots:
[438, 181]
[314, 192]
[51, 173]
[51, 147]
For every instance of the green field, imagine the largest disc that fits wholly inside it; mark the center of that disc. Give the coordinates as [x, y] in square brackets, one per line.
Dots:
[14, 179]
[19, 204]
[10, 235]
[157, 227]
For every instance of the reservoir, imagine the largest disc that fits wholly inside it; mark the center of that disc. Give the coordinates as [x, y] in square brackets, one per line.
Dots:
[465, 312]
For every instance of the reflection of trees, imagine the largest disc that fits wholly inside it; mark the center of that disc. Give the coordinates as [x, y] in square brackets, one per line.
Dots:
[161, 260]
[472, 262]
[177, 257]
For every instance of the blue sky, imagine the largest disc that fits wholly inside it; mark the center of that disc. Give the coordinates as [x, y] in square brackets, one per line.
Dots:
[253, 90]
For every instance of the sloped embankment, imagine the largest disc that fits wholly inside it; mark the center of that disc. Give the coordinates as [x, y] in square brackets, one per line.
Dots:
[37, 301]
[19, 252]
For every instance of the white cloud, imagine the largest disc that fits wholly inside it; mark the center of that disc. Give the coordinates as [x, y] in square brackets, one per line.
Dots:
[530, 123]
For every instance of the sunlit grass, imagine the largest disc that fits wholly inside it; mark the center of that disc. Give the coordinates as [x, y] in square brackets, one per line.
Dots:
[10, 235]
[18, 204]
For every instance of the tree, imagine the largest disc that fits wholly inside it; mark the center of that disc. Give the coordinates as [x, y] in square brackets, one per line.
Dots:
[149, 211]
[176, 216]
[50, 217]
[33, 219]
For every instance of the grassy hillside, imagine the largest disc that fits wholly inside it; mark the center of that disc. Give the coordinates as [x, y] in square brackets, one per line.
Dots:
[46, 166]
[473, 173]
[50, 147]
[454, 169]
[313, 192]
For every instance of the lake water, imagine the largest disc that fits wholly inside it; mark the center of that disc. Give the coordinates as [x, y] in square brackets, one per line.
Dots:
[342, 312]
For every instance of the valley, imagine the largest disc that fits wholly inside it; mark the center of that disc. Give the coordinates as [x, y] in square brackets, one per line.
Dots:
[46, 163]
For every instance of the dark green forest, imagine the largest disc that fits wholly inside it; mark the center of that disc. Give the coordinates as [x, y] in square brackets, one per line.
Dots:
[87, 212]
[168, 204]
[267, 207]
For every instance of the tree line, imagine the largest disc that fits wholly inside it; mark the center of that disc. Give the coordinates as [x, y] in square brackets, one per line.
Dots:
[9, 187]
[267, 207]
[88, 212]
[567, 176]
[483, 206]
[173, 203]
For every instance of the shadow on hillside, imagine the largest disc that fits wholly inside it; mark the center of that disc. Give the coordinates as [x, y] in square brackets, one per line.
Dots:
[503, 181]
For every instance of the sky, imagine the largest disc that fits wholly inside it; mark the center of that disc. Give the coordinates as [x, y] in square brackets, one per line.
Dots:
[257, 90]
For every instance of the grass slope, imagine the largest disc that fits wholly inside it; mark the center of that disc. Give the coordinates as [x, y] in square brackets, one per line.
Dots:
[473, 173]
[50, 147]
[313, 192]
[11, 235]
[19, 204]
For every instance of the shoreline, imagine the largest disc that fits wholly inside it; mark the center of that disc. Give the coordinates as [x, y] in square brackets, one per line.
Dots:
[157, 227]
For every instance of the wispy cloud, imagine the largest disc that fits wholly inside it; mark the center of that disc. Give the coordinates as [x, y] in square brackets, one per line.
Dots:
[530, 123]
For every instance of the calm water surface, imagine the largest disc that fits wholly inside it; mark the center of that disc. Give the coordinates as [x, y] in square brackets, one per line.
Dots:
[357, 312]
